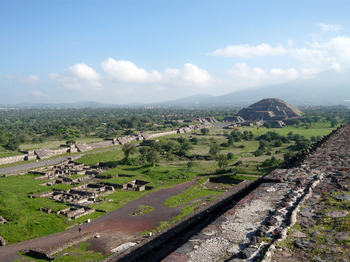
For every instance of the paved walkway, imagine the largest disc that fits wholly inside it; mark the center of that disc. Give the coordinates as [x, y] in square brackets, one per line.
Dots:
[18, 168]
[115, 228]
[55, 161]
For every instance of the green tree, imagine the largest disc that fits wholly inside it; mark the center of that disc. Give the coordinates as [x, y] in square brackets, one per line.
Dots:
[223, 162]
[169, 146]
[13, 144]
[128, 150]
[230, 155]
[288, 155]
[143, 150]
[70, 141]
[153, 157]
[205, 131]
[185, 147]
[334, 122]
[214, 149]
[194, 140]
[267, 125]
[262, 145]
[258, 152]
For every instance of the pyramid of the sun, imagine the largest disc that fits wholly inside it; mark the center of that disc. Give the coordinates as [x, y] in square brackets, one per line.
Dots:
[269, 109]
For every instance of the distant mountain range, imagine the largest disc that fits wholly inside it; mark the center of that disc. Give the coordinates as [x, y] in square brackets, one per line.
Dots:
[326, 88]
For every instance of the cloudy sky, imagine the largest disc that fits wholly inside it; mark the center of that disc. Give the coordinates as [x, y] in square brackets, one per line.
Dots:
[147, 51]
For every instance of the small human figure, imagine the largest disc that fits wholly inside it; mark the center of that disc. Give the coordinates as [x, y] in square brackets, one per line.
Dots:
[79, 229]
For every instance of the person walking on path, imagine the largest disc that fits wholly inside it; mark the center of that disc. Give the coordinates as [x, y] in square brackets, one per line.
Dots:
[79, 230]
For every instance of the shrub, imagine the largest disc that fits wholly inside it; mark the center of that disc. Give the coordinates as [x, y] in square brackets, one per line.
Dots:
[258, 152]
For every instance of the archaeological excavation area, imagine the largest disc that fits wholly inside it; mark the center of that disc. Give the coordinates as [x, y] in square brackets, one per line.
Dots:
[296, 213]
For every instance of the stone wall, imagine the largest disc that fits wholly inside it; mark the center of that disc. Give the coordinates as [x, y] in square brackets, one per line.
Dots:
[47, 153]
[48, 254]
[59, 151]
[126, 139]
[2, 241]
[151, 136]
[101, 144]
[12, 159]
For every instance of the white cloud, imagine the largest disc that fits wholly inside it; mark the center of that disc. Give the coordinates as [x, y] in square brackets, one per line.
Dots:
[341, 45]
[310, 56]
[29, 80]
[127, 72]
[83, 71]
[79, 77]
[125, 77]
[188, 75]
[336, 66]
[250, 51]
[245, 76]
[329, 27]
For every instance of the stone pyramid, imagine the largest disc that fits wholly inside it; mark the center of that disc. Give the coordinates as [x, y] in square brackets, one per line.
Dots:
[269, 109]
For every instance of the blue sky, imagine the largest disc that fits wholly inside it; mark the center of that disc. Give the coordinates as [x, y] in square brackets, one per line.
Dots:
[147, 51]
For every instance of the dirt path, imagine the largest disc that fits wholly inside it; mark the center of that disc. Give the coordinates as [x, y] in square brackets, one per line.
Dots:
[115, 228]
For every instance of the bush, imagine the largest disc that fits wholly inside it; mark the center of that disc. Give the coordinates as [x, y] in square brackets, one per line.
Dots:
[258, 152]
[278, 143]
[288, 155]
[70, 142]
[214, 149]
[153, 158]
[194, 140]
[13, 144]
[223, 163]
[230, 156]
[225, 144]
[205, 131]
[270, 162]
[267, 125]
[238, 163]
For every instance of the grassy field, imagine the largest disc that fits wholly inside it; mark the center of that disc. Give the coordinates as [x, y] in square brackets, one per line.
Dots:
[142, 210]
[197, 191]
[317, 129]
[27, 222]
[77, 253]
[5, 153]
[56, 143]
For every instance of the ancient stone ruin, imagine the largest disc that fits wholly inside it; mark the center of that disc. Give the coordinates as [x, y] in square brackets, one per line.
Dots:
[2, 241]
[270, 110]
[137, 185]
[49, 253]
[82, 147]
[251, 220]
[79, 197]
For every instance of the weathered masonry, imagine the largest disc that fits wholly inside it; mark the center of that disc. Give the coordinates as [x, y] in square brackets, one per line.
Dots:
[82, 147]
